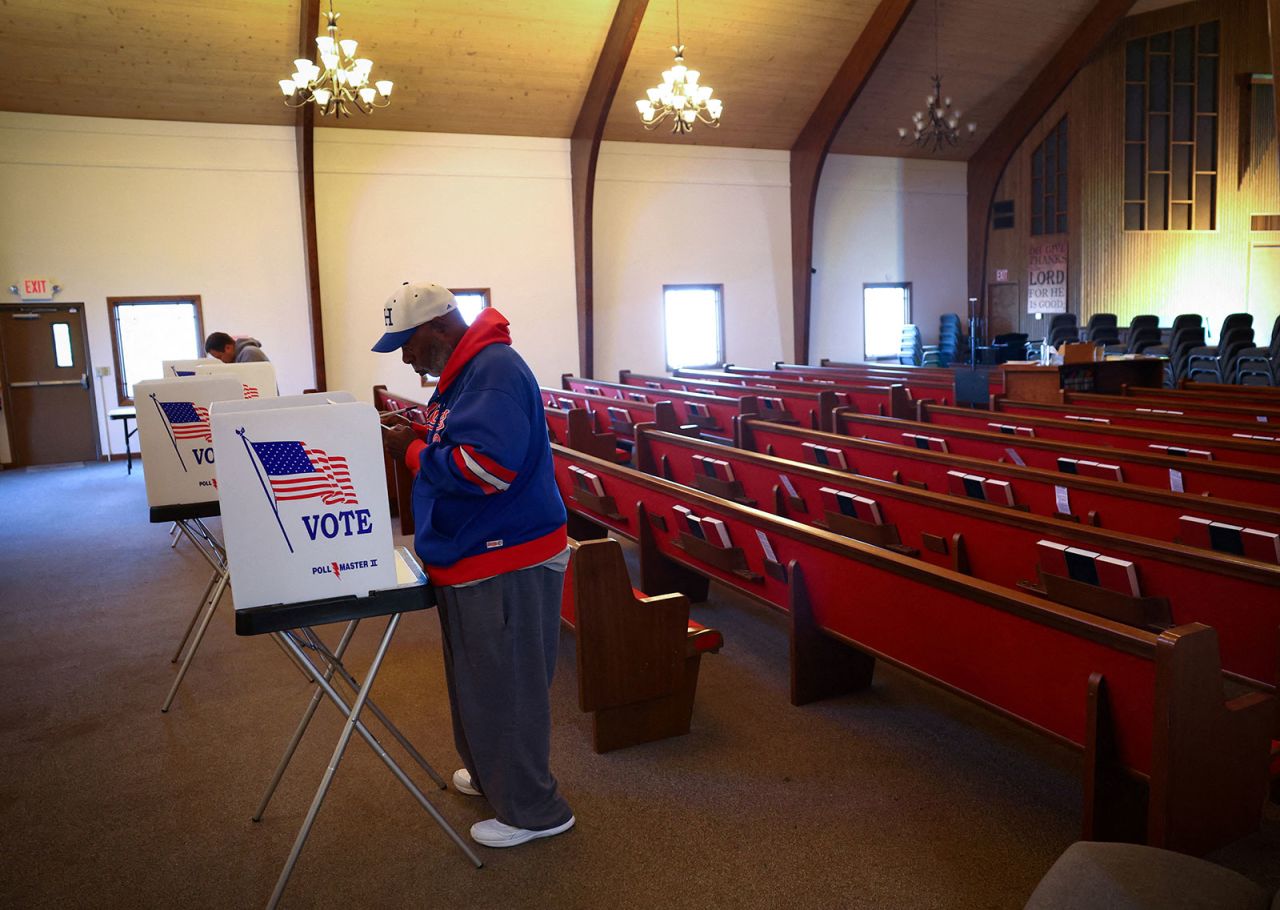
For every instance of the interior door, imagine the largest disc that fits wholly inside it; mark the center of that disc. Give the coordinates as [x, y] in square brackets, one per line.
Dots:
[48, 393]
[1003, 309]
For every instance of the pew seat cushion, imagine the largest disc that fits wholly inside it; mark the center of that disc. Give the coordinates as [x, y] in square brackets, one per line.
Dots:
[1132, 877]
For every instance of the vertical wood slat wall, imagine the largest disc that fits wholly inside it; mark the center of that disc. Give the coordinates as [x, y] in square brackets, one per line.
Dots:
[1163, 272]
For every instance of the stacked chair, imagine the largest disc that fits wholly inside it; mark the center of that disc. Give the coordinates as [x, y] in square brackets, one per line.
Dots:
[1216, 363]
[1102, 329]
[1143, 333]
[950, 340]
[1186, 336]
[1260, 366]
[1062, 329]
[911, 348]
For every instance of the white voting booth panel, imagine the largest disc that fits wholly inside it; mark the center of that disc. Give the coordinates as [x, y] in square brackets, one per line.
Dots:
[259, 378]
[173, 424]
[304, 505]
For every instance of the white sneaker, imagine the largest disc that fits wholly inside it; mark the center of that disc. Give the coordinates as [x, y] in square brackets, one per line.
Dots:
[462, 783]
[493, 833]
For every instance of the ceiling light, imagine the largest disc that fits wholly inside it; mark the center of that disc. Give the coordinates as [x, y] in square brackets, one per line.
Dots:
[341, 80]
[679, 96]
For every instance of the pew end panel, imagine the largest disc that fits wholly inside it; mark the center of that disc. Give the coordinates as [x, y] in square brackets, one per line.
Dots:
[1207, 789]
[638, 657]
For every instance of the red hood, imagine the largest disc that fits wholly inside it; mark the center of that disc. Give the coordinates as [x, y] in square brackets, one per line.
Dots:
[490, 327]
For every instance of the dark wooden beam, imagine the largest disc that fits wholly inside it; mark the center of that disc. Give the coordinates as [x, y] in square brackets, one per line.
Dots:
[1273, 29]
[988, 163]
[584, 151]
[809, 153]
[304, 134]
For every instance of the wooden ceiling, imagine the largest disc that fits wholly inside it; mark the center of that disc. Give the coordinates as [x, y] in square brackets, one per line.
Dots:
[516, 68]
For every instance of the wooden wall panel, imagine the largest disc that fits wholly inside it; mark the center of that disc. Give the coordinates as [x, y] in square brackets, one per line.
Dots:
[1162, 272]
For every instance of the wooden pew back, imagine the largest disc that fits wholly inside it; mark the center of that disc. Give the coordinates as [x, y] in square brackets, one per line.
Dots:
[1219, 448]
[1124, 695]
[1112, 504]
[1258, 486]
[996, 543]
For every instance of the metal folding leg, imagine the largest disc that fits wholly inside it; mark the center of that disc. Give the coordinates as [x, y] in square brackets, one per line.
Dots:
[353, 724]
[334, 665]
[211, 549]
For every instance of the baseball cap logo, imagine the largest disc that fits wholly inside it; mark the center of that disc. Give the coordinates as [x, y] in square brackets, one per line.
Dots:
[413, 304]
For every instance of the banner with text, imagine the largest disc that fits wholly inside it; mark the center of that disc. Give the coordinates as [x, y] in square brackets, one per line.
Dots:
[1047, 276]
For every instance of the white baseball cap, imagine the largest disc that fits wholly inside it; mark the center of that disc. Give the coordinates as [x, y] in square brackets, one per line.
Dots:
[413, 304]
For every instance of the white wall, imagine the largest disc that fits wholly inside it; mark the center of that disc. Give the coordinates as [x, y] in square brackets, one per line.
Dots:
[690, 215]
[462, 211]
[117, 208]
[886, 220]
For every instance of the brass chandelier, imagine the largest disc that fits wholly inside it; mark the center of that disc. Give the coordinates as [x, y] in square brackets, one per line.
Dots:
[679, 96]
[341, 82]
[938, 125]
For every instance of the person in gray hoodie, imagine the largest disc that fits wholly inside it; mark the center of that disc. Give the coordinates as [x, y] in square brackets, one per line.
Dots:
[234, 350]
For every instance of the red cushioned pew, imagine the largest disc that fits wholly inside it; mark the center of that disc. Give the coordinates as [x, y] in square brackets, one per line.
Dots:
[1241, 483]
[608, 415]
[1188, 406]
[916, 388]
[1103, 499]
[1156, 420]
[638, 656]
[1170, 757]
[888, 400]
[712, 414]
[976, 528]
[1091, 432]
[810, 409]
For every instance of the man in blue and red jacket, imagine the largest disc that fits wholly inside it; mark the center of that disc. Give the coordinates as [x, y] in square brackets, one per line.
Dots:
[490, 529]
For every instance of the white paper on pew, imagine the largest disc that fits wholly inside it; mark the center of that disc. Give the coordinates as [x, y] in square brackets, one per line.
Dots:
[1015, 458]
[259, 377]
[1262, 418]
[304, 504]
[1175, 480]
[1062, 499]
[178, 455]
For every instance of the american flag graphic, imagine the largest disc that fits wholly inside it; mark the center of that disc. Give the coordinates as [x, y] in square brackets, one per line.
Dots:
[249, 391]
[297, 471]
[187, 420]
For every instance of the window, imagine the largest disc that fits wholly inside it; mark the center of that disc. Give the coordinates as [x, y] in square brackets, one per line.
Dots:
[145, 331]
[1171, 130]
[471, 301]
[693, 325]
[62, 345]
[1049, 183]
[886, 308]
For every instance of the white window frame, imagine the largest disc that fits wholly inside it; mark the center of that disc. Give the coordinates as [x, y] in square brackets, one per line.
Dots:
[718, 289]
[906, 320]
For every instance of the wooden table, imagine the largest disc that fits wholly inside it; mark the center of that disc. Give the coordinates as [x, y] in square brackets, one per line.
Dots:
[1045, 384]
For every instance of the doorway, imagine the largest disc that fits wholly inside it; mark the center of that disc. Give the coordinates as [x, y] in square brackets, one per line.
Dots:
[48, 396]
[1004, 309]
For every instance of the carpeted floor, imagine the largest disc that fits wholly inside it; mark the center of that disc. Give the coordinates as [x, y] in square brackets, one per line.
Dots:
[898, 797]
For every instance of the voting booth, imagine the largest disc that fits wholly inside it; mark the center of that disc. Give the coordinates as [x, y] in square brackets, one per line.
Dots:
[309, 543]
[257, 378]
[179, 471]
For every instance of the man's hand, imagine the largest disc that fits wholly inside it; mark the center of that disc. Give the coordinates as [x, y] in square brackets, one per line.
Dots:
[396, 441]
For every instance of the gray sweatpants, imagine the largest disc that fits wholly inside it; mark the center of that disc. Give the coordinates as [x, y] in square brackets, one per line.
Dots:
[500, 639]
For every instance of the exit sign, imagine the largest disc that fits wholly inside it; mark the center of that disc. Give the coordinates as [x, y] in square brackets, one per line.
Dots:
[1002, 274]
[37, 289]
